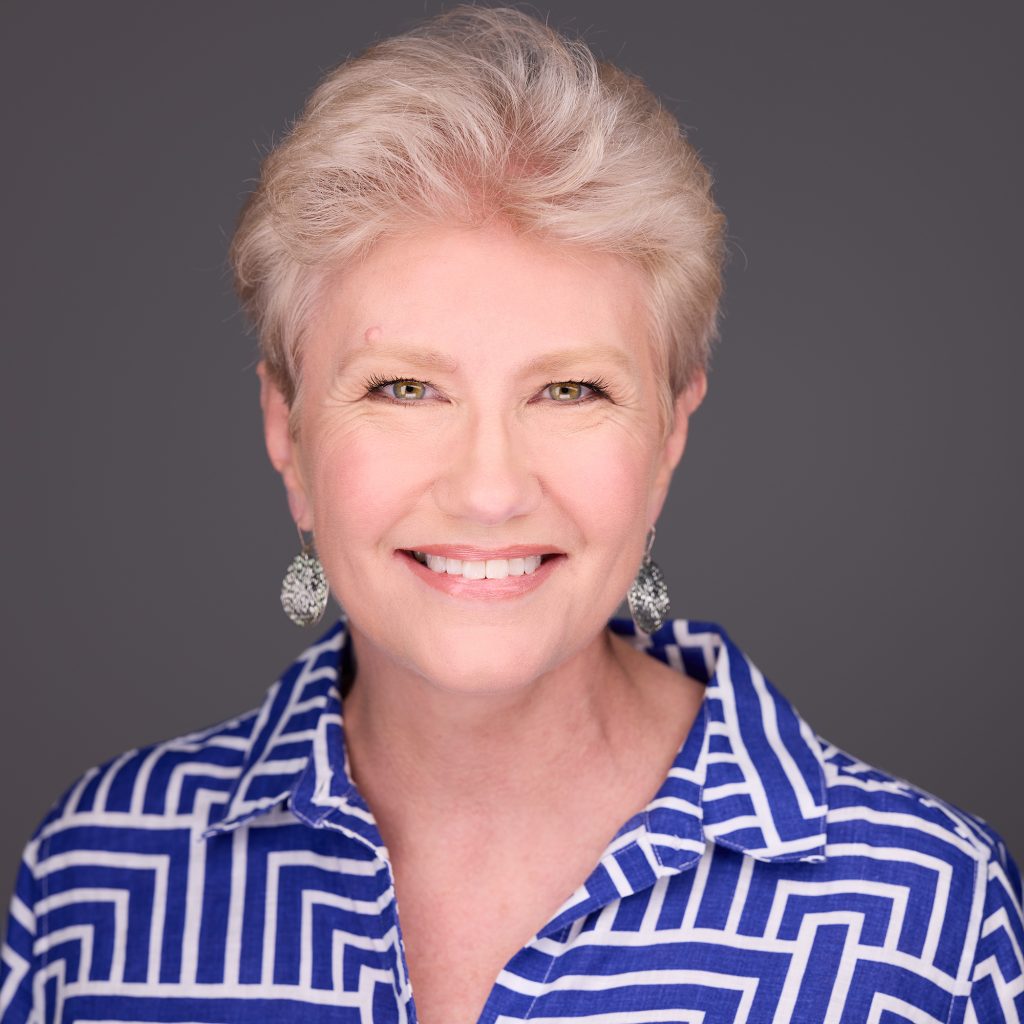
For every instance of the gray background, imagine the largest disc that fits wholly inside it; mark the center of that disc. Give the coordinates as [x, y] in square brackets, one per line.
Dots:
[849, 505]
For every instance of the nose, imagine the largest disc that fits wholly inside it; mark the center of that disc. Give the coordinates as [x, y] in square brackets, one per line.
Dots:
[487, 474]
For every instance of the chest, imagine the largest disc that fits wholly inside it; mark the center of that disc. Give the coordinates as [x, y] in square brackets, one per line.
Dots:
[449, 985]
[459, 934]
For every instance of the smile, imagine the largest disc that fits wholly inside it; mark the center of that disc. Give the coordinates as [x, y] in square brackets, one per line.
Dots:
[492, 578]
[491, 568]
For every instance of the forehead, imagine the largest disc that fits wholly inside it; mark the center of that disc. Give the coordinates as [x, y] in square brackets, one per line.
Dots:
[483, 292]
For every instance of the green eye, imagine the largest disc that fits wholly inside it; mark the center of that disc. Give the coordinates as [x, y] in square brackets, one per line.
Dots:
[408, 389]
[565, 391]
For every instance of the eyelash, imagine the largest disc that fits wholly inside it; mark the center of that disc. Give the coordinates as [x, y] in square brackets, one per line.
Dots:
[376, 383]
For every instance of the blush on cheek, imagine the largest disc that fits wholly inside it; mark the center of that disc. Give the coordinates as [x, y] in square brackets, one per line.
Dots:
[610, 477]
[365, 484]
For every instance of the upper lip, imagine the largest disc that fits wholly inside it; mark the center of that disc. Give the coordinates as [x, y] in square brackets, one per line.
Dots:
[469, 553]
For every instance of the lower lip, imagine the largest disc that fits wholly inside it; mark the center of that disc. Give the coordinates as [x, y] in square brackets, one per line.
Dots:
[482, 590]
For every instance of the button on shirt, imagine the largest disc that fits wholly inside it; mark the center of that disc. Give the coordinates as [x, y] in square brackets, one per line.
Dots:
[236, 874]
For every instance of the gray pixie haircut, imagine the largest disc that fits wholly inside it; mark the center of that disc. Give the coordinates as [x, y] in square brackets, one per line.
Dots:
[476, 114]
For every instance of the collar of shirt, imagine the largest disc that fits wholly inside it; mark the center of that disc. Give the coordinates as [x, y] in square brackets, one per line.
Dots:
[749, 775]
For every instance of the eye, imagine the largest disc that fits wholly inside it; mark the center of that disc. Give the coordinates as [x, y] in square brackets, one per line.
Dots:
[405, 390]
[567, 392]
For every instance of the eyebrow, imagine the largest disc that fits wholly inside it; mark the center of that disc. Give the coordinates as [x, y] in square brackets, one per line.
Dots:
[548, 362]
[418, 357]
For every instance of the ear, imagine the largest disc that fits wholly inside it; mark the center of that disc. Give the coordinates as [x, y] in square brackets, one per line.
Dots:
[685, 405]
[282, 448]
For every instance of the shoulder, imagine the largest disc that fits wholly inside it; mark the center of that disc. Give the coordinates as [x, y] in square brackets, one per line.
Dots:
[168, 783]
[961, 882]
[936, 882]
[866, 804]
[177, 787]
[948, 868]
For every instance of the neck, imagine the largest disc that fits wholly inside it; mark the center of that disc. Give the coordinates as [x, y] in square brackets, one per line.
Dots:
[416, 749]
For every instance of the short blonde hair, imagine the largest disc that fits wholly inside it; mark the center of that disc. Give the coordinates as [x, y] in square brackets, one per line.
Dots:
[482, 112]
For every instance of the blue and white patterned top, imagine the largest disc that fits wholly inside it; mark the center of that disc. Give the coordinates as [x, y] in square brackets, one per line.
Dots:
[236, 874]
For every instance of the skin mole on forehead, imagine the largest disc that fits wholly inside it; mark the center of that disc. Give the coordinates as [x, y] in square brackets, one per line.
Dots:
[373, 334]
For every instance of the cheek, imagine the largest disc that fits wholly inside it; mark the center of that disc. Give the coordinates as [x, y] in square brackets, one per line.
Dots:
[363, 478]
[601, 476]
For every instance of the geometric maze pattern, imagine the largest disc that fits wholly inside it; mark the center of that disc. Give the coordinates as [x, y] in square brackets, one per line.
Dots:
[236, 874]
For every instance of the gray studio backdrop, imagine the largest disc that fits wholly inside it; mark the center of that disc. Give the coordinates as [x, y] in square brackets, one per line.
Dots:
[849, 505]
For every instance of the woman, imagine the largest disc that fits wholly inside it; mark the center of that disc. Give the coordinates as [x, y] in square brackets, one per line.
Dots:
[578, 818]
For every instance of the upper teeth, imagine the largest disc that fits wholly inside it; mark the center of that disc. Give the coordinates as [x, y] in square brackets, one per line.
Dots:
[491, 569]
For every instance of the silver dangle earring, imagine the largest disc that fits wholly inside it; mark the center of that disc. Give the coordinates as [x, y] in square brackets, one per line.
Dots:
[648, 594]
[304, 591]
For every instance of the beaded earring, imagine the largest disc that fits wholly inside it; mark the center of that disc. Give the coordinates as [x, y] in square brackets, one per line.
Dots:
[304, 590]
[648, 594]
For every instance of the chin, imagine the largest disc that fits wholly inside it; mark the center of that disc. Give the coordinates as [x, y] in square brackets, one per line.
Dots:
[478, 673]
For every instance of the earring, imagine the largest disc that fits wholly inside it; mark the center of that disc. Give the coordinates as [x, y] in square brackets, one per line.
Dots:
[648, 594]
[304, 590]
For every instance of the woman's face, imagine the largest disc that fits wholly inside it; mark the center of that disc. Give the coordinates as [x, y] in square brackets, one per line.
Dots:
[485, 448]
